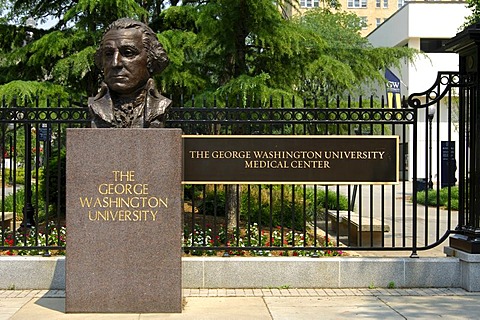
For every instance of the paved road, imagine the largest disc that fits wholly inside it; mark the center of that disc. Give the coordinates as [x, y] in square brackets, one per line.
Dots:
[393, 204]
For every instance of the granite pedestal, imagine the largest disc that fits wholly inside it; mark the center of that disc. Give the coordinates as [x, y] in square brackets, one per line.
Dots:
[124, 221]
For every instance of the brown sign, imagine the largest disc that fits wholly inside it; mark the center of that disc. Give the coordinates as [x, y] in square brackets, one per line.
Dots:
[291, 159]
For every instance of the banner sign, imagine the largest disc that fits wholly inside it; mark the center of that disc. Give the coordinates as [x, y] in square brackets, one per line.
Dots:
[290, 159]
[393, 90]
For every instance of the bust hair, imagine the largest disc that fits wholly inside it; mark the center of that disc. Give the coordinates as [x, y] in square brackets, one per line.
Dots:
[157, 57]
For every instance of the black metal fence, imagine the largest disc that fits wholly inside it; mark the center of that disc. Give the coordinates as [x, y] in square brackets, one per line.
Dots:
[243, 219]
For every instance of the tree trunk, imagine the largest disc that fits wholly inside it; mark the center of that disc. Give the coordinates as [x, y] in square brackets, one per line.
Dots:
[232, 205]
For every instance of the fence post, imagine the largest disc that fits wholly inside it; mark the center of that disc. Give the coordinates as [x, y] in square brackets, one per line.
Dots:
[28, 210]
[467, 45]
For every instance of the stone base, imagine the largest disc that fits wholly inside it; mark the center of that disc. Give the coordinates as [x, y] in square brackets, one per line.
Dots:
[465, 243]
[124, 205]
[469, 266]
[41, 273]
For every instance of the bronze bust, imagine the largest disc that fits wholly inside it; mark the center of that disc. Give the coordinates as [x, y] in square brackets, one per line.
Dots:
[129, 55]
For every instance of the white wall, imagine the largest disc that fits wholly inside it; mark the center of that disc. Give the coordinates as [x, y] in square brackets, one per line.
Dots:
[414, 21]
[420, 20]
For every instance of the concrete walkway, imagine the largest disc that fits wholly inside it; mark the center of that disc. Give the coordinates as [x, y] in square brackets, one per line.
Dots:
[278, 304]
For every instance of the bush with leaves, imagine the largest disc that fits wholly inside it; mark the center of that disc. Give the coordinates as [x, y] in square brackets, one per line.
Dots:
[275, 205]
[55, 178]
[430, 198]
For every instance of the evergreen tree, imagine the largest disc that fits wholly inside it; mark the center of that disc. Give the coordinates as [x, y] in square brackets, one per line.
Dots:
[247, 48]
[59, 61]
[216, 47]
[474, 5]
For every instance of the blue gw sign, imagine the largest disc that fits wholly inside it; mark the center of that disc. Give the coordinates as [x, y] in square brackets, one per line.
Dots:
[291, 159]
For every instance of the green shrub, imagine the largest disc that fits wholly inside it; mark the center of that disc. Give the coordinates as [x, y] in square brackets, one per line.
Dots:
[442, 198]
[19, 199]
[284, 207]
[275, 205]
[214, 203]
[334, 201]
[454, 204]
[52, 179]
[17, 202]
[20, 176]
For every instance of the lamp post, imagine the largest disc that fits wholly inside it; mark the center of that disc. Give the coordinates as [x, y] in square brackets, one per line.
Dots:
[430, 115]
[10, 177]
[28, 209]
[10, 127]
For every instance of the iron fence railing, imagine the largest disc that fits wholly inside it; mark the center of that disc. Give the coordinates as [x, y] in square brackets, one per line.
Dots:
[234, 219]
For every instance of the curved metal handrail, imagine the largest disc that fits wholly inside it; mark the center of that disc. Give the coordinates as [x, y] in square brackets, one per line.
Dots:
[445, 80]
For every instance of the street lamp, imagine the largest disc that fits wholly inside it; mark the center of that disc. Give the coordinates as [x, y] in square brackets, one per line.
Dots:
[10, 127]
[28, 209]
[431, 114]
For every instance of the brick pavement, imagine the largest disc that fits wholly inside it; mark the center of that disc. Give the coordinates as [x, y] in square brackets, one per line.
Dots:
[272, 292]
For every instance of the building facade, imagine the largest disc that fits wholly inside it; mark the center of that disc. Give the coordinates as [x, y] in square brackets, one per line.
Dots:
[372, 12]
[425, 26]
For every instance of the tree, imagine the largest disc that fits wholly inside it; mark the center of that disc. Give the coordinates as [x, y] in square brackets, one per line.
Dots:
[246, 47]
[239, 48]
[217, 47]
[346, 62]
[59, 61]
[474, 5]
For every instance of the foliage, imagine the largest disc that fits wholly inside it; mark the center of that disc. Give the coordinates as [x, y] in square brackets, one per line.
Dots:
[288, 207]
[430, 198]
[344, 59]
[14, 202]
[56, 181]
[29, 90]
[56, 236]
[246, 48]
[253, 236]
[216, 47]
[62, 55]
[52, 236]
[474, 18]
[213, 203]
[19, 179]
[276, 205]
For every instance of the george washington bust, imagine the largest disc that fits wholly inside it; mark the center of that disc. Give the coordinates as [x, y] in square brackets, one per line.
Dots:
[129, 55]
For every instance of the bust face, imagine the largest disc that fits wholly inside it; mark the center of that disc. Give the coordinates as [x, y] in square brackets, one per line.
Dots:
[124, 61]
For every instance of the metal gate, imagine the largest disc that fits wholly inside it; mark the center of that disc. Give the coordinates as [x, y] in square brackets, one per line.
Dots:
[254, 219]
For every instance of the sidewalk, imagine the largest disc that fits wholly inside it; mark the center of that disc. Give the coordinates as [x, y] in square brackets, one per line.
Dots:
[277, 304]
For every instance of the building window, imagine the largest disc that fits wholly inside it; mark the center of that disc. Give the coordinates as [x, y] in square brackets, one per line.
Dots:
[309, 3]
[385, 3]
[357, 4]
[432, 45]
[378, 21]
[378, 3]
[401, 3]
